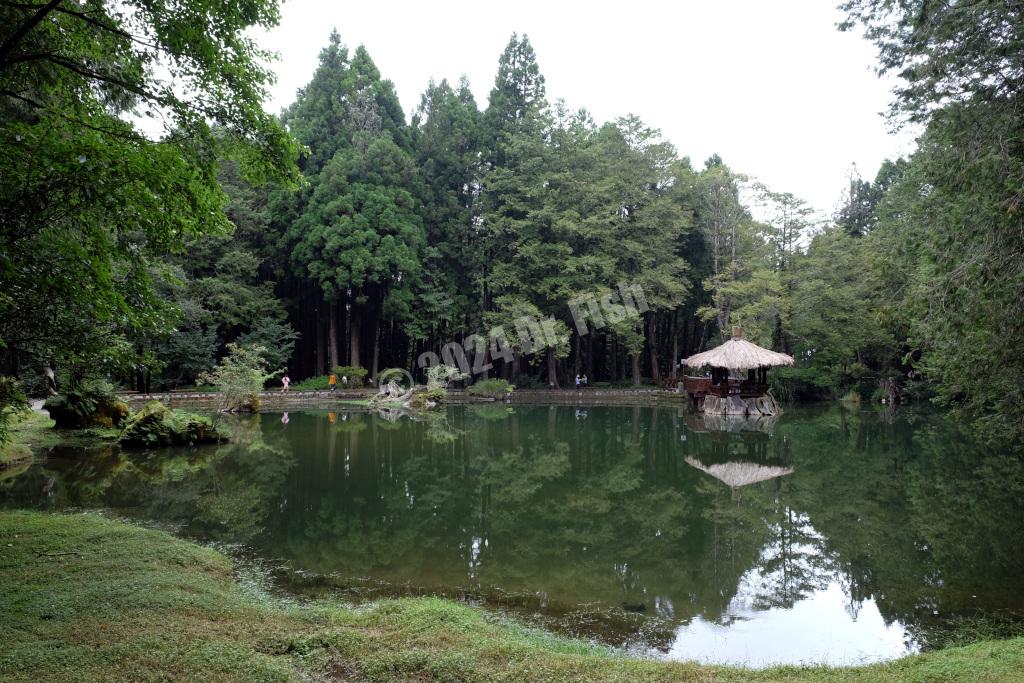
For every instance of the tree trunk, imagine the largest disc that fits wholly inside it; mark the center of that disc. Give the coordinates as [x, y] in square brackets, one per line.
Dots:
[321, 356]
[613, 358]
[716, 246]
[51, 381]
[723, 323]
[376, 348]
[552, 369]
[354, 331]
[343, 324]
[673, 374]
[576, 354]
[652, 342]
[590, 357]
[332, 334]
[687, 326]
[636, 368]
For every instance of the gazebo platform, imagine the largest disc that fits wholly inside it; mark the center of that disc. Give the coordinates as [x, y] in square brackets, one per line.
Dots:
[737, 405]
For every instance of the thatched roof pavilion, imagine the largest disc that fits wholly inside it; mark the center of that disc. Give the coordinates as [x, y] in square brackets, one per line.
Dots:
[724, 394]
[738, 354]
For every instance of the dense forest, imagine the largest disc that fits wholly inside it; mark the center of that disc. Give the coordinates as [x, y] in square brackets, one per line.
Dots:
[344, 233]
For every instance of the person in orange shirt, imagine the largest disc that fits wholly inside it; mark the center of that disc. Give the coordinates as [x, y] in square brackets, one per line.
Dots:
[332, 381]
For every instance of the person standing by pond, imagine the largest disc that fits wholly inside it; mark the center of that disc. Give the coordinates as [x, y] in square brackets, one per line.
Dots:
[285, 381]
[332, 382]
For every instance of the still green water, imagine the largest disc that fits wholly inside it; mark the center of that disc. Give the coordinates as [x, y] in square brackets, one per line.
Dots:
[828, 536]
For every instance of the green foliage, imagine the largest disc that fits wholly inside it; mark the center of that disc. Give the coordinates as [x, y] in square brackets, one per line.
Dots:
[518, 92]
[447, 142]
[90, 201]
[12, 402]
[835, 323]
[356, 375]
[240, 377]
[938, 51]
[493, 387]
[88, 403]
[356, 233]
[949, 226]
[539, 333]
[441, 375]
[407, 237]
[157, 425]
[313, 384]
[752, 298]
[360, 228]
[191, 349]
[277, 338]
[435, 395]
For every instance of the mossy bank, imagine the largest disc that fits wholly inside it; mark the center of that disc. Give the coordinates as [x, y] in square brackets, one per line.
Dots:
[85, 598]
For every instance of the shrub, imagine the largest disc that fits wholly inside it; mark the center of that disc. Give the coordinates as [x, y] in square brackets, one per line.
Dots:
[439, 376]
[158, 425]
[801, 384]
[432, 395]
[495, 388]
[11, 401]
[89, 403]
[397, 375]
[435, 394]
[240, 377]
[356, 375]
[312, 384]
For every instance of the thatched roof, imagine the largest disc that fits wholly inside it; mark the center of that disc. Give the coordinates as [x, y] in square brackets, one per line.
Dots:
[736, 474]
[738, 354]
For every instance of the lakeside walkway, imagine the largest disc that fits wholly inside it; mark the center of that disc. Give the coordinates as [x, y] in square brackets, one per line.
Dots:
[276, 400]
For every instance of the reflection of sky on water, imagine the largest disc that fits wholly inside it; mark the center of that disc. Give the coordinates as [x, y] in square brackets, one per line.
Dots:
[816, 630]
[797, 613]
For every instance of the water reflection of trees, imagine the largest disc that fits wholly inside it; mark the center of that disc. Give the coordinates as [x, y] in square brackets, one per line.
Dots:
[561, 508]
[222, 492]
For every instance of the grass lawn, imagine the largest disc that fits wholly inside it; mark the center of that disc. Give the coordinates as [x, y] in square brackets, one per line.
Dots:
[85, 598]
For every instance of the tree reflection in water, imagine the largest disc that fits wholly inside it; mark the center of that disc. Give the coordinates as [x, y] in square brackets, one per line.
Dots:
[609, 525]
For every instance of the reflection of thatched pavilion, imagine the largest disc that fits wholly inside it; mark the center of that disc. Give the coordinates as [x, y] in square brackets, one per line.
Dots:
[737, 474]
[726, 392]
[733, 424]
[727, 438]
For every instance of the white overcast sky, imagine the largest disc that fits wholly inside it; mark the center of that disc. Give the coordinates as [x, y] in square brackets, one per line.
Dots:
[772, 87]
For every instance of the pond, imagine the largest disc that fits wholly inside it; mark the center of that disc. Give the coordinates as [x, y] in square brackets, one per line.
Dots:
[827, 536]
